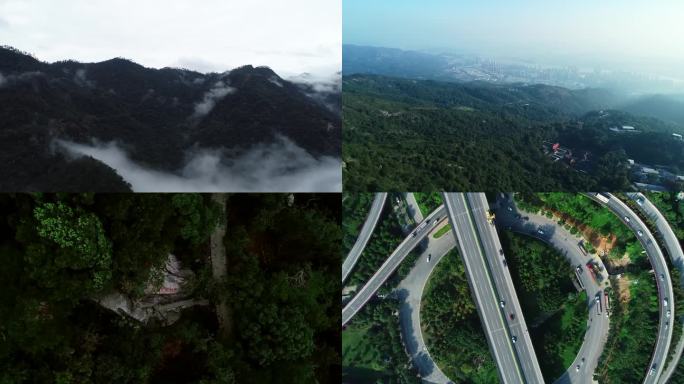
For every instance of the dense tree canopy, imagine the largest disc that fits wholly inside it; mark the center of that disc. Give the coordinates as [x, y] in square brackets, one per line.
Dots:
[59, 252]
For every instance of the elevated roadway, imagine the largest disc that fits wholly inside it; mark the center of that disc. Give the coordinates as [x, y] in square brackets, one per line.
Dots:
[492, 288]
[364, 235]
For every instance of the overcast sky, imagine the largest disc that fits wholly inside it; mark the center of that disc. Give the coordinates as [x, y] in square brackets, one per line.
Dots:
[645, 34]
[290, 36]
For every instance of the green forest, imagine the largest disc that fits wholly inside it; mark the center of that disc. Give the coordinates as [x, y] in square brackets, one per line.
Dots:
[384, 240]
[372, 350]
[626, 356]
[428, 201]
[452, 327]
[271, 316]
[403, 134]
[555, 312]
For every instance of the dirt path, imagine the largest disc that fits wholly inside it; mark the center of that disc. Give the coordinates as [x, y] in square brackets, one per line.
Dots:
[219, 266]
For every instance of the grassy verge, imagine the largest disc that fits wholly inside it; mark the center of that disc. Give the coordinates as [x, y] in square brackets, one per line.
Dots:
[442, 231]
[428, 202]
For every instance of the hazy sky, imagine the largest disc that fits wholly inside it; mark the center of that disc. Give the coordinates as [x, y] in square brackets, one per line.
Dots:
[630, 33]
[292, 36]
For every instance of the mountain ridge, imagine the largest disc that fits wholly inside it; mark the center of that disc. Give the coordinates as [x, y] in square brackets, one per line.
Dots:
[158, 115]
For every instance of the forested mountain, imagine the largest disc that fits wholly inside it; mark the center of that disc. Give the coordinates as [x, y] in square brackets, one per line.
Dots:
[664, 107]
[157, 116]
[404, 134]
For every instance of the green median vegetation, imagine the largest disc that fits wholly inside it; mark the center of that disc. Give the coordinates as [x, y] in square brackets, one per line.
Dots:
[428, 201]
[634, 324]
[555, 312]
[451, 326]
[442, 231]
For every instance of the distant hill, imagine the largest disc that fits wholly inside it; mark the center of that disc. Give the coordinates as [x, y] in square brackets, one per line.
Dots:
[156, 115]
[665, 107]
[391, 62]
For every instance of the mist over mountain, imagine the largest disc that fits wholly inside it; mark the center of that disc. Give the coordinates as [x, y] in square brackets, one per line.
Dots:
[160, 120]
[665, 107]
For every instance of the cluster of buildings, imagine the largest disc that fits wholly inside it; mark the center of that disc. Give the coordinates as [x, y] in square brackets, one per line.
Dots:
[624, 129]
[558, 153]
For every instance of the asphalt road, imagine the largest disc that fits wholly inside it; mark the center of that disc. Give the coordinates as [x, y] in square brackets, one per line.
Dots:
[364, 234]
[504, 285]
[387, 268]
[674, 249]
[490, 283]
[410, 293]
[655, 256]
[568, 245]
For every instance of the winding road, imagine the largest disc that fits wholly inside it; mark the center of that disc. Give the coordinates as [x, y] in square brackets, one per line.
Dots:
[410, 292]
[365, 234]
[387, 268]
[674, 250]
[663, 281]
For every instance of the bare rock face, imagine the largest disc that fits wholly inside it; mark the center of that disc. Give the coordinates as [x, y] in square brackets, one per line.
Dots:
[165, 296]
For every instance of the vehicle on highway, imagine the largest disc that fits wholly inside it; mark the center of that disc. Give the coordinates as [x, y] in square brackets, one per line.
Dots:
[667, 314]
[579, 269]
[652, 370]
[526, 218]
[502, 303]
[504, 263]
[514, 339]
[640, 233]
[540, 231]
[665, 301]
[500, 251]
[662, 277]
[577, 368]
[429, 257]
[627, 219]
[603, 198]
[512, 316]
[510, 209]
[640, 199]
[667, 323]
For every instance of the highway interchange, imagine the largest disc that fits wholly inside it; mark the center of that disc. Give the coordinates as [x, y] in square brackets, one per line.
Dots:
[481, 253]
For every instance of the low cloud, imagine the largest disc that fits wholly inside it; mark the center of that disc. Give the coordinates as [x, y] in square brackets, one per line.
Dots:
[216, 93]
[12, 79]
[81, 80]
[278, 167]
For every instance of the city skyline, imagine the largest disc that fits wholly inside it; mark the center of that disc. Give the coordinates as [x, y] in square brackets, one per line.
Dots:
[634, 36]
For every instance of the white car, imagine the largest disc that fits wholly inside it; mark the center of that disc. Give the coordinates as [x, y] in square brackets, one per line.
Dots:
[577, 368]
[640, 233]
[514, 339]
[665, 301]
[627, 219]
[667, 314]
[502, 303]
